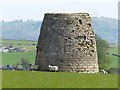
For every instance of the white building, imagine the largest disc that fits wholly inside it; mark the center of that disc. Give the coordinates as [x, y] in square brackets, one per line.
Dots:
[0, 49]
[5, 50]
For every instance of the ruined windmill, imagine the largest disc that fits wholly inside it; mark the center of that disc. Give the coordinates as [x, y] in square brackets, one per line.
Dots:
[68, 41]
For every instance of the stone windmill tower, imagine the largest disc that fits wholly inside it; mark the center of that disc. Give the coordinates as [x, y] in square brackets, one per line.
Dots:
[68, 41]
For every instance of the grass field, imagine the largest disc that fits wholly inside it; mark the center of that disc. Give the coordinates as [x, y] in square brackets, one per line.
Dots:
[114, 59]
[13, 58]
[20, 44]
[115, 49]
[29, 79]
[16, 42]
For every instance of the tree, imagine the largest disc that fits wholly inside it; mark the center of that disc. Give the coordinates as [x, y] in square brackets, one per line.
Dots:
[102, 47]
[25, 63]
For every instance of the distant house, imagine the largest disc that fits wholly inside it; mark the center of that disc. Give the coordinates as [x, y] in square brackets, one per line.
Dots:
[5, 50]
[12, 49]
[0, 49]
[17, 50]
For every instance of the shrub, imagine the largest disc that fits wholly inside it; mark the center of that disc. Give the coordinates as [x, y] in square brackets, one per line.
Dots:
[102, 47]
[25, 63]
[113, 70]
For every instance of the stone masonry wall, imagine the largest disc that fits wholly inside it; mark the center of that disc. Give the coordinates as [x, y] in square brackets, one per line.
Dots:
[68, 41]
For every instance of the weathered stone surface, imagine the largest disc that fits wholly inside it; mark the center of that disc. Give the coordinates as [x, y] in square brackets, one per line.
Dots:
[68, 41]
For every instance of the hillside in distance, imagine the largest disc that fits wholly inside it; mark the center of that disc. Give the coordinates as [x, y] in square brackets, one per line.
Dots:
[20, 30]
[106, 28]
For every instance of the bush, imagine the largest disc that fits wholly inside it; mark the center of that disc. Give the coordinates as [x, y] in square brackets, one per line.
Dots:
[113, 70]
[102, 47]
[25, 63]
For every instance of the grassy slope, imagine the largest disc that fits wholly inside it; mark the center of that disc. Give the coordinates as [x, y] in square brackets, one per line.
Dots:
[28, 79]
[114, 59]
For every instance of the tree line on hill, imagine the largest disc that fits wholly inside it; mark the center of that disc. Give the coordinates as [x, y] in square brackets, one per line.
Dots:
[107, 28]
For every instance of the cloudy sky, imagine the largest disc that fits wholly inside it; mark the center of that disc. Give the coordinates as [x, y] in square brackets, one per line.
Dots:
[34, 9]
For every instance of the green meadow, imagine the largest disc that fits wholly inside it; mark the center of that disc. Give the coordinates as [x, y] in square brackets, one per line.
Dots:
[114, 60]
[16, 42]
[15, 57]
[20, 43]
[29, 79]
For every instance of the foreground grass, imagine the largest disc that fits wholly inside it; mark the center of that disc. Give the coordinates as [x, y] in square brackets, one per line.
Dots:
[28, 79]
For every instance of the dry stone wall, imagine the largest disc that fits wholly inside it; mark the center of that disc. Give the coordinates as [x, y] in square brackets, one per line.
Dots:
[68, 41]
